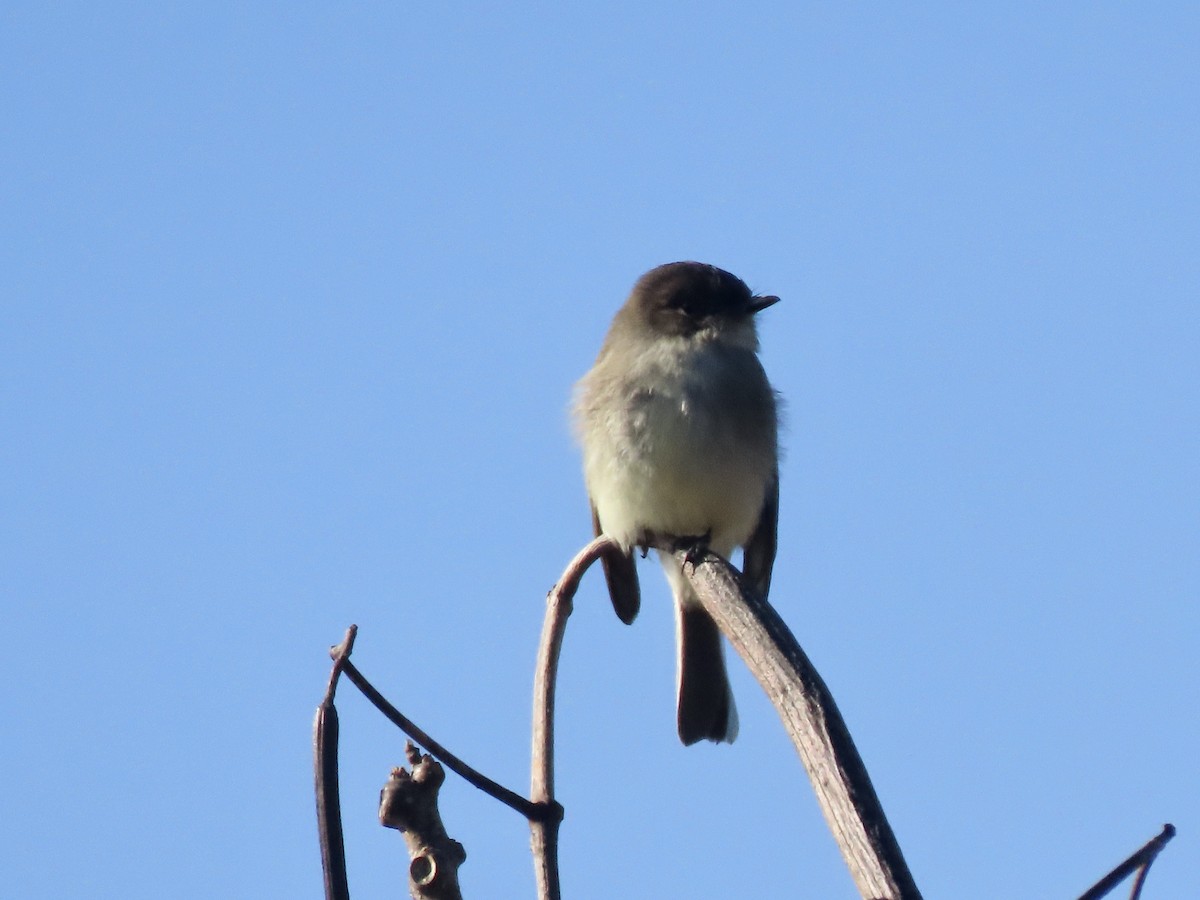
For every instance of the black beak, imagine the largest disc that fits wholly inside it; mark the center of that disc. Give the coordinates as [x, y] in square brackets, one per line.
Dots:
[758, 304]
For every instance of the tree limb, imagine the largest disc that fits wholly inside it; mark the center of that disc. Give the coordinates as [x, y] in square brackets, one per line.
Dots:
[408, 802]
[325, 764]
[559, 602]
[470, 774]
[1139, 862]
[811, 718]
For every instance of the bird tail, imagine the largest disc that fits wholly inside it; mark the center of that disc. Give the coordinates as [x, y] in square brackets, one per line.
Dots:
[705, 700]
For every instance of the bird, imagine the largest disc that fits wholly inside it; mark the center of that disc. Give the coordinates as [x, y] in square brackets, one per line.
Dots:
[678, 426]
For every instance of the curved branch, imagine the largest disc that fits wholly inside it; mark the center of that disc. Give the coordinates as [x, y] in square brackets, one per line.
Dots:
[811, 718]
[468, 773]
[559, 603]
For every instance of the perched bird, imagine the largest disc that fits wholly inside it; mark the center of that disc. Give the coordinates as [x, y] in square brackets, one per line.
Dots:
[679, 429]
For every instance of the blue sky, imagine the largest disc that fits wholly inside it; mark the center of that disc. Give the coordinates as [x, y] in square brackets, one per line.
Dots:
[294, 299]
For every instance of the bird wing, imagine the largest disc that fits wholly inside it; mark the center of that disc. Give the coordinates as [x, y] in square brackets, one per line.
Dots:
[620, 571]
[759, 553]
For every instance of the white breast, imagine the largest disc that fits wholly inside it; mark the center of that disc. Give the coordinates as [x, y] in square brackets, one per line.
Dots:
[664, 451]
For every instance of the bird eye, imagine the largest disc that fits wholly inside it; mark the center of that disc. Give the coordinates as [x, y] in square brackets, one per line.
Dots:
[690, 307]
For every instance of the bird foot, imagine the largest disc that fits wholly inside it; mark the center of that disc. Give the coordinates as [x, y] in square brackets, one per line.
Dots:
[695, 545]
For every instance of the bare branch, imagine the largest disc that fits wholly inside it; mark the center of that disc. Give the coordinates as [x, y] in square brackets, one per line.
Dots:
[436, 748]
[408, 802]
[844, 790]
[1139, 861]
[559, 603]
[325, 764]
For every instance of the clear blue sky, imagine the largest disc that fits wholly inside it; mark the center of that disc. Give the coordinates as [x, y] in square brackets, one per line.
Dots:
[294, 296]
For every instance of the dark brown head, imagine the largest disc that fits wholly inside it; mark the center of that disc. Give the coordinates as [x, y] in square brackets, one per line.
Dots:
[686, 298]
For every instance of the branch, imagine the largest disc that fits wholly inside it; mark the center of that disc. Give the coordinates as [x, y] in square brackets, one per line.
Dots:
[473, 776]
[408, 802]
[559, 603]
[1139, 862]
[325, 764]
[811, 718]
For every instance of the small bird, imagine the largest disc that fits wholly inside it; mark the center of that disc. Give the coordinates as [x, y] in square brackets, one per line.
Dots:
[679, 429]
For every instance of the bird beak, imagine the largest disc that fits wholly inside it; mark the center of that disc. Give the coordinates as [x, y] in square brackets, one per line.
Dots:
[758, 304]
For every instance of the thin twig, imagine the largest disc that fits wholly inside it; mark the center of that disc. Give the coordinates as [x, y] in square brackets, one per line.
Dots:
[1139, 860]
[1138, 881]
[511, 799]
[325, 765]
[558, 607]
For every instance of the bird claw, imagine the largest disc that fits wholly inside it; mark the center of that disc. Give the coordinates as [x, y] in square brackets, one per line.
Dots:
[694, 547]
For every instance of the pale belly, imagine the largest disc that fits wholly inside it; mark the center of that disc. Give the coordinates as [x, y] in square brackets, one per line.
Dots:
[680, 473]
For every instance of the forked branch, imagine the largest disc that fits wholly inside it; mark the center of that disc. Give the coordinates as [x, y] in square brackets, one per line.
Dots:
[805, 705]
